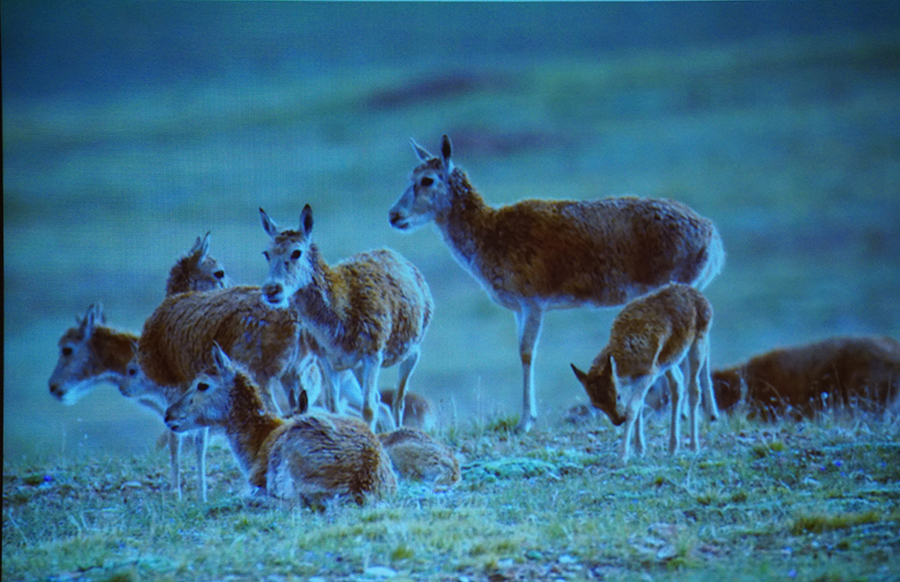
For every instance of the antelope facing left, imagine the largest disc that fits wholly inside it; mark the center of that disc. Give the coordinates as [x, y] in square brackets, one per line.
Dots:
[537, 255]
[308, 457]
[366, 312]
[652, 336]
[93, 353]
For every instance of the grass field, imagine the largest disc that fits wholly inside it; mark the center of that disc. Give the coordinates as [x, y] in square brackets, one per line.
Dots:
[818, 500]
[789, 142]
[790, 146]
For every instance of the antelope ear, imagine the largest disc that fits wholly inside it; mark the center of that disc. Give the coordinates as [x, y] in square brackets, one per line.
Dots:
[445, 154]
[268, 224]
[582, 377]
[200, 249]
[306, 220]
[421, 152]
[303, 402]
[220, 358]
[92, 318]
[612, 367]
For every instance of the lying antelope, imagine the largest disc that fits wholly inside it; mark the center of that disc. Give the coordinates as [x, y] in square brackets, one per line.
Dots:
[419, 457]
[307, 458]
[844, 373]
[537, 255]
[652, 336]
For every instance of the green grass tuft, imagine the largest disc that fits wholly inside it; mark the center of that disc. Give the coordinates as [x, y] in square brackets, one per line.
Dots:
[823, 523]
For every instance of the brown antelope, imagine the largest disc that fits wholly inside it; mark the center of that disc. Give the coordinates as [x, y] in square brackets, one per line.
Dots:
[419, 457]
[843, 373]
[418, 410]
[364, 313]
[652, 336]
[307, 457]
[549, 254]
[197, 271]
[92, 353]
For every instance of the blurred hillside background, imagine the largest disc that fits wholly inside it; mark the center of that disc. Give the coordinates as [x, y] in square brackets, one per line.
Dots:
[131, 128]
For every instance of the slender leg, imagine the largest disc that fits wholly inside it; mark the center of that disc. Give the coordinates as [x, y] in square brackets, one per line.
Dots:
[175, 458]
[528, 320]
[706, 387]
[633, 421]
[331, 386]
[640, 443]
[697, 358]
[406, 369]
[676, 393]
[201, 438]
[371, 366]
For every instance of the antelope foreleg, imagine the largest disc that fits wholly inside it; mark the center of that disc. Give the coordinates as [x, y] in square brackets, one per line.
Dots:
[528, 321]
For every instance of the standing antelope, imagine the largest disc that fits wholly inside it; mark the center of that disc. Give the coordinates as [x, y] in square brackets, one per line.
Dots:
[549, 254]
[652, 336]
[844, 373]
[366, 312]
[92, 353]
[307, 457]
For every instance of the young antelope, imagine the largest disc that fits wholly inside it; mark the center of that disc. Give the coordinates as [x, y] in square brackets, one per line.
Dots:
[305, 458]
[652, 336]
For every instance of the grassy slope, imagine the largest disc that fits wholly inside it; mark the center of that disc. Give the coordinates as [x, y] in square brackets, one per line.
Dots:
[815, 501]
[790, 146]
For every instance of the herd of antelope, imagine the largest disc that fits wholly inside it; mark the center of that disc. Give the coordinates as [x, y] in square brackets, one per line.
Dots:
[212, 355]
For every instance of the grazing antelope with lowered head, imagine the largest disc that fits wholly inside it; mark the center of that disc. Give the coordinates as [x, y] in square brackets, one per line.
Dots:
[652, 336]
[307, 457]
[549, 254]
[366, 312]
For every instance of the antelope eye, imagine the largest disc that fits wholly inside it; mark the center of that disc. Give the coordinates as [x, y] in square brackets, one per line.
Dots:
[295, 255]
[219, 274]
[427, 181]
[67, 351]
[202, 386]
[266, 255]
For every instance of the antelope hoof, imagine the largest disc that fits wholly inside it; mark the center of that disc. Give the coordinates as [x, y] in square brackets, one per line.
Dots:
[526, 423]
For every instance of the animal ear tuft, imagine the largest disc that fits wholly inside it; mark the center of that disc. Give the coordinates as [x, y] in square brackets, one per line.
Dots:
[268, 224]
[306, 220]
[200, 249]
[612, 368]
[582, 377]
[446, 148]
[220, 358]
[423, 154]
[93, 317]
[303, 402]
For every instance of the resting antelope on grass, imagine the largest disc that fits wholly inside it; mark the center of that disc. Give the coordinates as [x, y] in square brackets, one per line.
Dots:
[92, 353]
[844, 373]
[419, 457]
[549, 254]
[366, 312]
[307, 457]
[652, 336]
